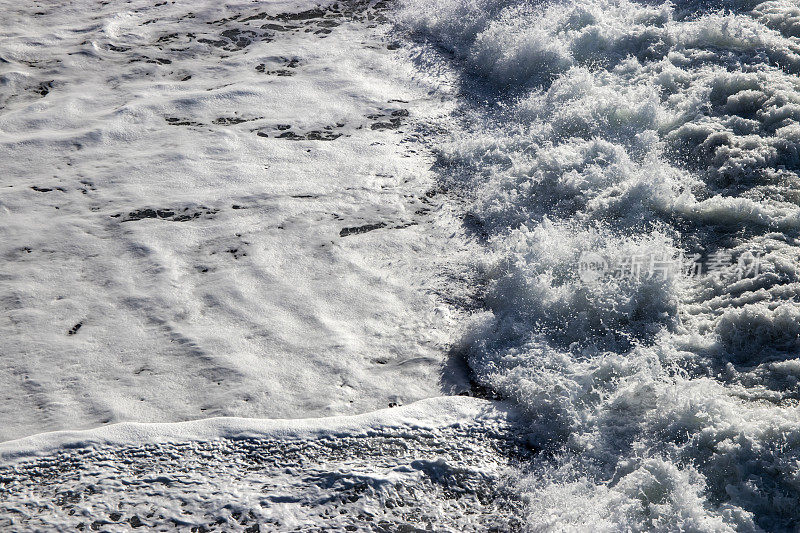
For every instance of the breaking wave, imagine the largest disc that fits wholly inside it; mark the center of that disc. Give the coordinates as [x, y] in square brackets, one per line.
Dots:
[629, 129]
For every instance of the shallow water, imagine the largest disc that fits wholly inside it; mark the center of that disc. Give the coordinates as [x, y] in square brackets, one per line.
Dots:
[214, 210]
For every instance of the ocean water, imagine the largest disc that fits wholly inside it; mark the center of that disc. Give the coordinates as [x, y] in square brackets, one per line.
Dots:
[585, 213]
[634, 130]
[214, 210]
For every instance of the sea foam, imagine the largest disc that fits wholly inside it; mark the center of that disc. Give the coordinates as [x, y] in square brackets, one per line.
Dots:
[630, 129]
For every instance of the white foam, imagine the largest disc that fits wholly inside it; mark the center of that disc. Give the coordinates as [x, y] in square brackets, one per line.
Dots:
[242, 297]
[627, 129]
[421, 416]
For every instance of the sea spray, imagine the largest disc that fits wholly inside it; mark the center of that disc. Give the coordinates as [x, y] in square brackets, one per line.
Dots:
[630, 130]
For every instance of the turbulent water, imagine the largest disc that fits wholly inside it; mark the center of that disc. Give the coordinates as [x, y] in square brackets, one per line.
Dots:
[248, 224]
[632, 130]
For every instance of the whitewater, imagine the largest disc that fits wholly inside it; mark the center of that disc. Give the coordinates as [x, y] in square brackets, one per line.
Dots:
[323, 266]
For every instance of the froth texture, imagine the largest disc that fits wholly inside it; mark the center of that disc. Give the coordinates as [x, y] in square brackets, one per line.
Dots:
[631, 130]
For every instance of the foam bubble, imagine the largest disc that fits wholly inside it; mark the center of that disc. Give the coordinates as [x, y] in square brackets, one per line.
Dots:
[622, 128]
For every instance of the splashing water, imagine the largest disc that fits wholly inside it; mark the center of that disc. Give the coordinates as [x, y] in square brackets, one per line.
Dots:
[626, 129]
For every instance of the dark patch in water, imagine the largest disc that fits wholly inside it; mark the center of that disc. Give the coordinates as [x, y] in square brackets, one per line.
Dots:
[44, 88]
[389, 119]
[234, 39]
[168, 214]
[230, 121]
[292, 136]
[361, 229]
[325, 134]
[175, 121]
